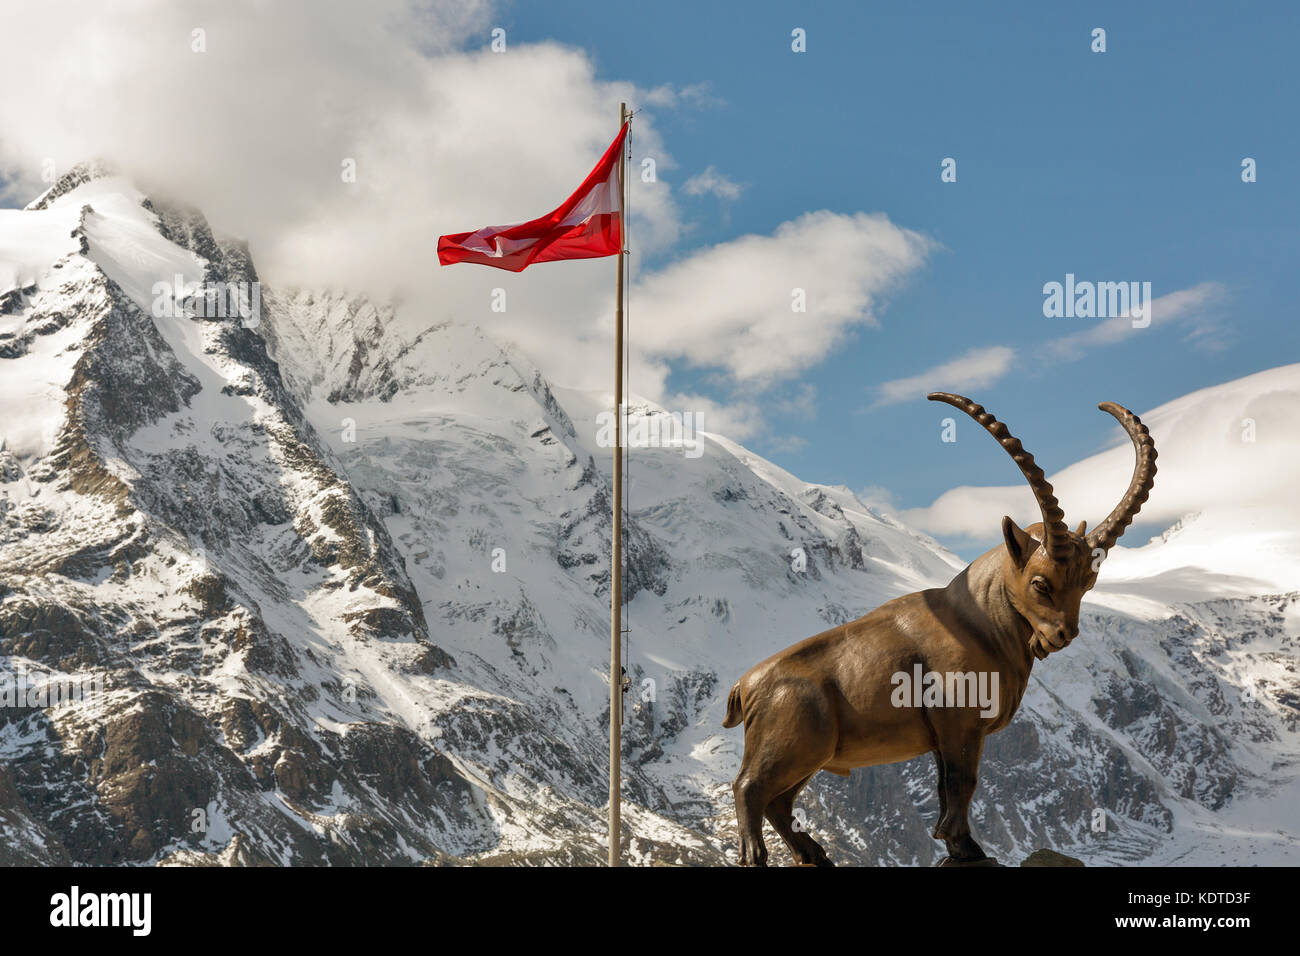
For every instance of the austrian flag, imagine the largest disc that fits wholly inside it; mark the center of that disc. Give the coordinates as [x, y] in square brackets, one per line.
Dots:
[588, 225]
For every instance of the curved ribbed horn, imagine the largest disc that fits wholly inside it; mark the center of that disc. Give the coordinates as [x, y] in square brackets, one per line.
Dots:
[1109, 531]
[1056, 536]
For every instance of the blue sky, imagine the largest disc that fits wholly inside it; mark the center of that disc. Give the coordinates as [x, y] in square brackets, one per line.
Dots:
[1115, 166]
[1123, 165]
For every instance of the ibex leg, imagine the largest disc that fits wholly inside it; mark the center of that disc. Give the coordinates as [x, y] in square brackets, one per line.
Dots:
[751, 799]
[959, 754]
[943, 794]
[780, 813]
[784, 745]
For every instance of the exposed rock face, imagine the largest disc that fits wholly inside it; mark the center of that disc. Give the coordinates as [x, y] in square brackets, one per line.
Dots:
[182, 494]
[333, 588]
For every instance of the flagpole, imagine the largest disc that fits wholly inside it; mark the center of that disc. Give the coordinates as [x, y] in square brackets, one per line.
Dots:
[616, 556]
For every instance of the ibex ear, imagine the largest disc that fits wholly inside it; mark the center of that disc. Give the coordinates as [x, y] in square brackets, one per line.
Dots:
[1019, 544]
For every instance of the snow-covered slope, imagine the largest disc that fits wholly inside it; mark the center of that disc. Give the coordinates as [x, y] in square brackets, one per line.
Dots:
[173, 530]
[347, 590]
[1229, 457]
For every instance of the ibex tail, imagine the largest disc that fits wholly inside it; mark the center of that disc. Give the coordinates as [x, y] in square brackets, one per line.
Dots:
[735, 712]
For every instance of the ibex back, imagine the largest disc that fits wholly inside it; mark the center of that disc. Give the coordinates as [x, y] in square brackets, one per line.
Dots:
[840, 700]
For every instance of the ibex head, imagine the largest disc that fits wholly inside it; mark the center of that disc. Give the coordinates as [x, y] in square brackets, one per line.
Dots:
[1049, 568]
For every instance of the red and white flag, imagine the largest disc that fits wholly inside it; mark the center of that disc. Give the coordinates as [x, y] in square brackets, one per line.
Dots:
[588, 225]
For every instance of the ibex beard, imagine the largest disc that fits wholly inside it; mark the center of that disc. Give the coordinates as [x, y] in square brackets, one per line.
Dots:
[825, 703]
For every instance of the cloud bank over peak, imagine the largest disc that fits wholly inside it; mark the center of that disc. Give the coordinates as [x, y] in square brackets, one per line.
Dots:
[341, 142]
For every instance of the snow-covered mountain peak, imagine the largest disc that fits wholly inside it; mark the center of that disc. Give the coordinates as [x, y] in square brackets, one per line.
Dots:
[1228, 457]
[79, 175]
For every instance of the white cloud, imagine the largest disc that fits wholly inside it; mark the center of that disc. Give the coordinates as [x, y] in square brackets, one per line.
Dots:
[1165, 311]
[879, 498]
[713, 183]
[738, 421]
[785, 445]
[693, 96]
[730, 306]
[800, 402]
[981, 367]
[976, 369]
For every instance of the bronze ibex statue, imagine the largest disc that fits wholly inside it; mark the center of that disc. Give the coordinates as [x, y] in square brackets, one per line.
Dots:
[838, 700]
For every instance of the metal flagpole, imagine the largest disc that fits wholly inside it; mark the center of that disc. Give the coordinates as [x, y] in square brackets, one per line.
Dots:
[616, 557]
